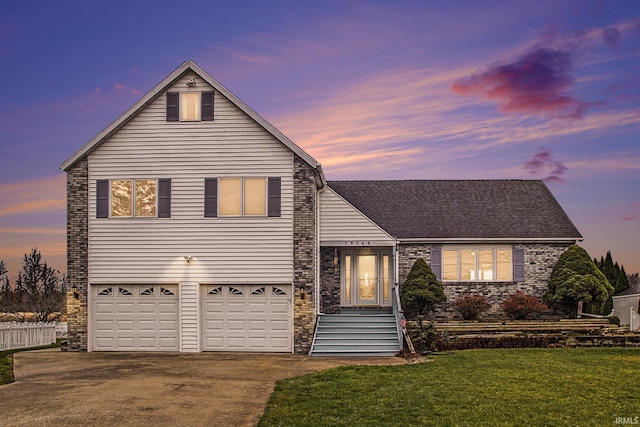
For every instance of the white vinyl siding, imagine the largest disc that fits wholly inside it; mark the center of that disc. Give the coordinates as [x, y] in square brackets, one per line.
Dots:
[230, 249]
[341, 222]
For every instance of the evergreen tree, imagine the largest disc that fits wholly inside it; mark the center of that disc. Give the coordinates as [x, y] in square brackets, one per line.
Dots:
[609, 269]
[421, 290]
[575, 277]
[622, 282]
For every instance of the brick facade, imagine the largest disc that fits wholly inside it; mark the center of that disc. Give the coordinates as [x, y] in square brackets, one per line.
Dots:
[304, 254]
[77, 254]
[329, 281]
[539, 261]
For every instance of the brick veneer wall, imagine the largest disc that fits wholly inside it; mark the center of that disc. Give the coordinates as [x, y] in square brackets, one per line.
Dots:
[539, 260]
[304, 254]
[77, 254]
[329, 282]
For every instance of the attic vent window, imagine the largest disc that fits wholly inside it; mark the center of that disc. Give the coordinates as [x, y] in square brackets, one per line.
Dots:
[189, 106]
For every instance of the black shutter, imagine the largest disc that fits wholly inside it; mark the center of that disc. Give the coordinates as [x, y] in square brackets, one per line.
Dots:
[102, 198]
[173, 106]
[211, 197]
[274, 196]
[164, 198]
[518, 265]
[206, 112]
[436, 262]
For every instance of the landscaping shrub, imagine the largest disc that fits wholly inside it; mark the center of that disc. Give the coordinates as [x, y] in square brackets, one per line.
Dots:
[421, 290]
[519, 306]
[615, 320]
[471, 306]
[429, 338]
[575, 278]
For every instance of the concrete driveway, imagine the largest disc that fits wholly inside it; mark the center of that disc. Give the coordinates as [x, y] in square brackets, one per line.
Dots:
[156, 389]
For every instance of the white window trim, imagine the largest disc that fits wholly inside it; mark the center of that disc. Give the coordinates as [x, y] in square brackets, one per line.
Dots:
[477, 248]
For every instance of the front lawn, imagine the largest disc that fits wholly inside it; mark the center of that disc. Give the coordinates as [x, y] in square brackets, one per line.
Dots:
[6, 361]
[503, 387]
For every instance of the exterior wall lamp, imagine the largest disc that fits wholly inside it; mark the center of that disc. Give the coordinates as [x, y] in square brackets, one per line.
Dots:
[188, 258]
[74, 289]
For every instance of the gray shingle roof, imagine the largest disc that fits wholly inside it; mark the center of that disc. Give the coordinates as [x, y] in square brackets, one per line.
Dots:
[460, 209]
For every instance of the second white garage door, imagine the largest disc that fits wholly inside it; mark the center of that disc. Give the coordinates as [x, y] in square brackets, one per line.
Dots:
[246, 318]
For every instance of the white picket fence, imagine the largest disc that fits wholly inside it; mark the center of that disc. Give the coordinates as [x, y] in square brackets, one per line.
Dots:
[24, 335]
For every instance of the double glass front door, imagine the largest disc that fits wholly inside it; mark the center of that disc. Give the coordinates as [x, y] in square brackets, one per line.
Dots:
[365, 278]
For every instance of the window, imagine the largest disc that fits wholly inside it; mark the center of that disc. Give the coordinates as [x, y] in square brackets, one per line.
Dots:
[189, 106]
[243, 196]
[477, 264]
[133, 198]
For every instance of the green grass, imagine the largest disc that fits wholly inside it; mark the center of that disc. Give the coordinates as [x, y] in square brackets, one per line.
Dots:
[6, 361]
[504, 387]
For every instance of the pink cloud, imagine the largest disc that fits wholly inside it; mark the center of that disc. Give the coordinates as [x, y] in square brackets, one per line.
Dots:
[612, 37]
[536, 83]
[635, 212]
[32, 197]
[543, 163]
[119, 87]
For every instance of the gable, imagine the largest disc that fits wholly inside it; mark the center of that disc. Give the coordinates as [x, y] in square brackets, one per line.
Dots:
[341, 223]
[178, 78]
[461, 209]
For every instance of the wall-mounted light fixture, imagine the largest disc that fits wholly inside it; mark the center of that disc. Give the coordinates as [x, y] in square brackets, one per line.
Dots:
[191, 82]
[301, 293]
[74, 289]
[188, 258]
[336, 260]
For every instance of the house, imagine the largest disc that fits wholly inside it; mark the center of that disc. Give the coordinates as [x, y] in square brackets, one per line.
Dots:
[626, 302]
[195, 225]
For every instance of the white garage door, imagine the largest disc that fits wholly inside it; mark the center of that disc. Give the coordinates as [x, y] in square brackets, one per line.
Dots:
[135, 318]
[246, 318]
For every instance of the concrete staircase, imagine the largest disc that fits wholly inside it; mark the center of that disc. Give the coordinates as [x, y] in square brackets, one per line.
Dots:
[356, 333]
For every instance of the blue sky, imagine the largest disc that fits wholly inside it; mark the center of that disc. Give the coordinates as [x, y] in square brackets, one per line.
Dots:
[372, 89]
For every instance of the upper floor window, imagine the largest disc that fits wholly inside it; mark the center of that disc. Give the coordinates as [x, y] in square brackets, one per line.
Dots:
[242, 197]
[189, 106]
[133, 198]
[481, 264]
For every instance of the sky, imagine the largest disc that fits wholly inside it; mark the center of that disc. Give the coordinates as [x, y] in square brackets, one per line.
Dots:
[372, 89]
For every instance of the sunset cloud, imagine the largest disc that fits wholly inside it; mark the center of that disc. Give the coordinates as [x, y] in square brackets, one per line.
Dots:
[612, 37]
[543, 164]
[33, 197]
[537, 83]
[120, 87]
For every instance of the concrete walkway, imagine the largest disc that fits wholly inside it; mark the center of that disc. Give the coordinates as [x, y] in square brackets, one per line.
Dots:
[156, 389]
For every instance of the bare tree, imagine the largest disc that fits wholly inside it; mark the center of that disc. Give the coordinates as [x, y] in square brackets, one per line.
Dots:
[39, 288]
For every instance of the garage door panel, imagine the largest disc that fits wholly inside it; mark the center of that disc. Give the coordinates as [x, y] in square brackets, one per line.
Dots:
[134, 317]
[258, 325]
[279, 325]
[257, 320]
